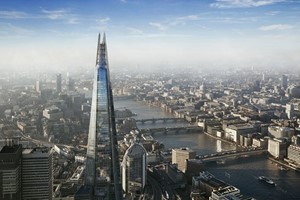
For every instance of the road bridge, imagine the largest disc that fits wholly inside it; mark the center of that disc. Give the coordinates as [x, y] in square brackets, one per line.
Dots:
[224, 155]
[161, 120]
[171, 130]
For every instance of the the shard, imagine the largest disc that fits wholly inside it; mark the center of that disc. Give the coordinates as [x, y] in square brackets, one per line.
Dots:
[102, 177]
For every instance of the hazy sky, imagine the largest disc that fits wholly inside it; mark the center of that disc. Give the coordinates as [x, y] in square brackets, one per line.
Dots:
[62, 34]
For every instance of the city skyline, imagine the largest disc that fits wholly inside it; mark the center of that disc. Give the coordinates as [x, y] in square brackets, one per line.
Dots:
[212, 33]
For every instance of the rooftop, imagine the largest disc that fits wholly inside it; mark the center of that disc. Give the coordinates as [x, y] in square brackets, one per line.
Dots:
[10, 149]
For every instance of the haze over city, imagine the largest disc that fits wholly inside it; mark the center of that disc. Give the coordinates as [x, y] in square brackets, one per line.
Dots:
[149, 99]
[60, 35]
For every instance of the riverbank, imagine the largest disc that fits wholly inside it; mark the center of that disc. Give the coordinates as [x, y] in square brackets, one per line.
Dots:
[282, 163]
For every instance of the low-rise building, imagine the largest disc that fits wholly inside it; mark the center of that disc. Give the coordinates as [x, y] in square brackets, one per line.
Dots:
[293, 154]
[260, 143]
[279, 132]
[226, 193]
[233, 132]
[277, 148]
[52, 113]
[179, 157]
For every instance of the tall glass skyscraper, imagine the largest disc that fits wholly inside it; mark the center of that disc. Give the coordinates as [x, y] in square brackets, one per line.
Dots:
[102, 180]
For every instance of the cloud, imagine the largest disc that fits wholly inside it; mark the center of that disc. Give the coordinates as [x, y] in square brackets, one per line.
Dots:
[55, 14]
[272, 13]
[123, 1]
[174, 22]
[182, 20]
[103, 20]
[8, 29]
[243, 3]
[13, 14]
[73, 21]
[276, 27]
[135, 31]
[159, 26]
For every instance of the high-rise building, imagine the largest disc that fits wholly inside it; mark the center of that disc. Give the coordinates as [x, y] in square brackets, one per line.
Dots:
[58, 83]
[38, 86]
[25, 173]
[290, 111]
[37, 177]
[70, 83]
[284, 81]
[102, 179]
[10, 172]
[134, 169]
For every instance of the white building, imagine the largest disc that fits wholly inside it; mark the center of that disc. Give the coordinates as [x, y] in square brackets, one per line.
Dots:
[233, 132]
[290, 111]
[277, 148]
[294, 154]
[226, 193]
[134, 168]
[279, 132]
[52, 113]
[260, 143]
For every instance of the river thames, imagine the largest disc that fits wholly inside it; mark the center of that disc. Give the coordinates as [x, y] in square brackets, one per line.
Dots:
[241, 172]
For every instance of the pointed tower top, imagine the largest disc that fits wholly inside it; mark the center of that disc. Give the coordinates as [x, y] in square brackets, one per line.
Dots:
[98, 49]
[104, 39]
[99, 38]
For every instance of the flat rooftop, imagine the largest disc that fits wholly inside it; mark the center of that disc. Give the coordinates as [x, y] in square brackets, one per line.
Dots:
[10, 149]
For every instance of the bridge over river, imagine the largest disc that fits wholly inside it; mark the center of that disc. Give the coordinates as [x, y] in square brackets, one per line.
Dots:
[230, 154]
[172, 130]
[161, 120]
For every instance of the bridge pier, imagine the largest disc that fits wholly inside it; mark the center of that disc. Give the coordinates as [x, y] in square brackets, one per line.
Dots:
[165, 131]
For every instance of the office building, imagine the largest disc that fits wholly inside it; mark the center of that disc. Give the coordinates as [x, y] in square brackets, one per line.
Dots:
[233, 132]
[102, 178]
[25, 173]
[280, 132]
[284, 81]
[293, 154]
[179, 157]
[58, 83]
[37, 177]
[290, 111]
[134, 169]
[277, 148]
[10, 172]
[38, 86]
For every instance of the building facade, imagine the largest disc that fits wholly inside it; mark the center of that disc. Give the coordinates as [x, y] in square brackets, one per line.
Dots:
[134, 169]
[26, 173]
[293, 154]
[277, 148]
[58, 83]
[37, 177]
[10, 172]
[102, 178]
[179, 157]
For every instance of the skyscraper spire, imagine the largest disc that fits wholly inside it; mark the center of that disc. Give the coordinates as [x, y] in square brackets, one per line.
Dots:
[104, 39]
[102, 131]
[98, 49]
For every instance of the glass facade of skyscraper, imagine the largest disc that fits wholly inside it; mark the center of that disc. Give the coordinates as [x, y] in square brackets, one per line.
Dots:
[102, 180]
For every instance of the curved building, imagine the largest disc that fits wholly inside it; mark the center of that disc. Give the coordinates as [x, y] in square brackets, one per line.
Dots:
[134, 169]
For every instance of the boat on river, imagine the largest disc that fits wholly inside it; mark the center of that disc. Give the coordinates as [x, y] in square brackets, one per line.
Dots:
[266, 180]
